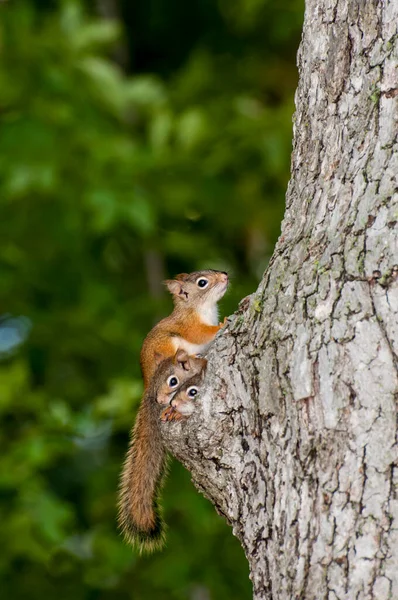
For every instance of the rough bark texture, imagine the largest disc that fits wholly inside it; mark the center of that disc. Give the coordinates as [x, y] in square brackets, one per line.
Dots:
[295, 436]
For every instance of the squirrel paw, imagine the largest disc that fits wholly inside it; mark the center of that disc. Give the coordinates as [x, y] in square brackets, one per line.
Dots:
[167, 414]
[171, 414]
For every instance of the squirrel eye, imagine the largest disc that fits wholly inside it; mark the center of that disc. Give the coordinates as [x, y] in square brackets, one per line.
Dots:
[202, 282]
[172, 381]
[192, 391]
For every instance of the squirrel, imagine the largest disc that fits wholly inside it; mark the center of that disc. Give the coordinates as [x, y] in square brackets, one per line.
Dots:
[182, 404]
[193, 323]
[190, 328]
[143, 472]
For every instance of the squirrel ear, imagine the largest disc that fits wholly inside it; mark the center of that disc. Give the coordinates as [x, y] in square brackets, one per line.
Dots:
[203, 371]
[173, 286]
[182, 358]
[199, 365]
[158, 358]
[176, 288]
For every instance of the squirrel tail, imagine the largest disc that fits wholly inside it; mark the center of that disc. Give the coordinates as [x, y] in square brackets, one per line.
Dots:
[140, 515]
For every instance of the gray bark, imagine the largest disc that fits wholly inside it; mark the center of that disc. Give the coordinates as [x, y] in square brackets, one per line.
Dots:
[294, 438]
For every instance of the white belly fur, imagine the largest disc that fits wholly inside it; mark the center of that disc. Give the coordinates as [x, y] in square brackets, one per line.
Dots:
[191, 349]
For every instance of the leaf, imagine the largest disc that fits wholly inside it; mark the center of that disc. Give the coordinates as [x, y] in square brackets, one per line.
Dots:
[146, 91]
[107, 81]
[96, 35]
[160, 129]
[192, 128]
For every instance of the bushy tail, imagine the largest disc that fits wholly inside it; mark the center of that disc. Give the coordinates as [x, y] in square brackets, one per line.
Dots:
[143, 472]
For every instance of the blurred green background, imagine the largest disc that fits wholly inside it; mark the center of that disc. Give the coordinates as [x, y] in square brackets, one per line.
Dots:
[137, 140]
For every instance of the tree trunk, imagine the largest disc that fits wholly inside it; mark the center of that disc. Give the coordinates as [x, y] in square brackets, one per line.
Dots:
[295, 436]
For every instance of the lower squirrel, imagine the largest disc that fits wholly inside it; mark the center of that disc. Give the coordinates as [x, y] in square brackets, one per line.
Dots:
[182, 404]
[139, 512]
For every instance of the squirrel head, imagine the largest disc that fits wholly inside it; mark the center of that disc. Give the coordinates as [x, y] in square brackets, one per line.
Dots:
[173, 372]
[199, 288]
[184, 399]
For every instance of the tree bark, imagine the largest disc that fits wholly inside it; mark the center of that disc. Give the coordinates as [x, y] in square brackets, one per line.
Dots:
[294, 438]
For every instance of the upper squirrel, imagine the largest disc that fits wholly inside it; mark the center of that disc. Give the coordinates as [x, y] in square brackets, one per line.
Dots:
[139, 513]
[193, 323]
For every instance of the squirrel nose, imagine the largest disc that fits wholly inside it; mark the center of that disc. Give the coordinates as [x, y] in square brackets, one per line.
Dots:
[224, 275]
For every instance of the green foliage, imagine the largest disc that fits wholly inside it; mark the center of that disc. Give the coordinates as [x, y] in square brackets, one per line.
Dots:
[109, 182]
